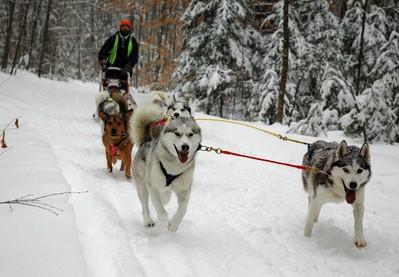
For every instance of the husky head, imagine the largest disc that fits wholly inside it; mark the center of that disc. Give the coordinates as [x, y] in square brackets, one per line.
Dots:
[181, 137]
[177, 109]
[351, 168]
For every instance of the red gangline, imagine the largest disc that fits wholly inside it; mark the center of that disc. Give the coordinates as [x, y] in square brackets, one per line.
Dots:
[264, 160]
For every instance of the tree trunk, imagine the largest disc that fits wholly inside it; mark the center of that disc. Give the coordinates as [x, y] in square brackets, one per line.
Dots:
[360, 58]
[284, 69]
[22, 32]
[32, 40]
[6, 53]
[45, 40]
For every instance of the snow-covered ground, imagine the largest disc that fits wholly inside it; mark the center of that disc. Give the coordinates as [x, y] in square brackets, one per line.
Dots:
[245, 217]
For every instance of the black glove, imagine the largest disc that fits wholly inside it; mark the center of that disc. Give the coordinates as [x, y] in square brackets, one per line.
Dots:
[127, 69]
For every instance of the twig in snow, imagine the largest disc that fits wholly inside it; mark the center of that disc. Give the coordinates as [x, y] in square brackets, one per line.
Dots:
[36, 202]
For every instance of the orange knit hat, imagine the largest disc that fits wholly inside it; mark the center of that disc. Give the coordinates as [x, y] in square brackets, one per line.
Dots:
[125, 22]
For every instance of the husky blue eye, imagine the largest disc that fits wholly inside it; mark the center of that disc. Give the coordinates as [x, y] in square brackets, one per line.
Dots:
[359, 171]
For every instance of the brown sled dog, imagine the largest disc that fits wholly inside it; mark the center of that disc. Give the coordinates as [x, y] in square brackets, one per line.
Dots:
[118, 145]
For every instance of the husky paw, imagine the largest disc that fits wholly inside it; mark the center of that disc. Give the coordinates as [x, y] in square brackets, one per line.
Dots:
[149, 223]
[129, 177]
[360, 243]
[173, 225]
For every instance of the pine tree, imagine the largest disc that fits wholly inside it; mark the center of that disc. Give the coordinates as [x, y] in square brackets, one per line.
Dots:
[385, 90]
[216, 54]
[371, 91]
[321, 29]
[300, 57]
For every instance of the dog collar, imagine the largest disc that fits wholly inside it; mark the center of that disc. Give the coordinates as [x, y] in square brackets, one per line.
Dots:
[169, 177]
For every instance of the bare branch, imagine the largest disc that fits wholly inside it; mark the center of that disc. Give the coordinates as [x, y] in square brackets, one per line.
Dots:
[36, 201]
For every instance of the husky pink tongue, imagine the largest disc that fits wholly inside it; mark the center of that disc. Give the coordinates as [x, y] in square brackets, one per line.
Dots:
[350, 196]
[183, 157]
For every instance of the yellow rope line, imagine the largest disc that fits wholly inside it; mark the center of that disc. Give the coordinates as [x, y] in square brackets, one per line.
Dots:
[253, 127]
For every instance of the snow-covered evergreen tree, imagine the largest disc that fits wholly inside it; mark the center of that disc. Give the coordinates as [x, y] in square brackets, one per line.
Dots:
[314, 124]
[300, 56]
[217, 54]
[268, 98]
[373, 114]
[384, 123]
[321, 29]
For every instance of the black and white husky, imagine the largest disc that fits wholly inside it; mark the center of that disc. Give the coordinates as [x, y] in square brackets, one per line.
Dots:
[164, 161]
[336, 172]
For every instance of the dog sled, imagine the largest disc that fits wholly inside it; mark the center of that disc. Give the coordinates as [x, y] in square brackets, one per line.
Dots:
[111, 83]
[111, 78]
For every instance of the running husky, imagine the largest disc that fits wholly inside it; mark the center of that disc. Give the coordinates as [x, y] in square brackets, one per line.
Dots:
[336, 172]
[164, 161]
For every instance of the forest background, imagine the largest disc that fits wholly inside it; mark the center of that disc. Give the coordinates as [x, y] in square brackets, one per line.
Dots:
[313, 65]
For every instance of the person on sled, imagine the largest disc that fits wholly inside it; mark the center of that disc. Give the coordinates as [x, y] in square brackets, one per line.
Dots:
[119, 54]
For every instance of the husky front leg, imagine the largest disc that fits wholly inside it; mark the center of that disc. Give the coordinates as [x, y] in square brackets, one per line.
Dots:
[156, 201]
[358, 212]
[183, 196]
[142, 191]
[314, 208]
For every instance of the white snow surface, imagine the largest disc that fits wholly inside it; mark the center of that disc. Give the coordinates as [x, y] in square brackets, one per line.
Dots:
[245, 217]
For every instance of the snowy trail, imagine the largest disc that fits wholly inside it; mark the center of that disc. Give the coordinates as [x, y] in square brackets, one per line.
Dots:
[114, 211]
[245, 217]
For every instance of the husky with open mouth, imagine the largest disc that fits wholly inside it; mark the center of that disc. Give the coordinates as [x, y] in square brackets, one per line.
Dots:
[164, 163]
[336, 172]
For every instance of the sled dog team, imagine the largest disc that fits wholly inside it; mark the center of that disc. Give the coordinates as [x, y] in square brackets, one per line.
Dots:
[168, 138]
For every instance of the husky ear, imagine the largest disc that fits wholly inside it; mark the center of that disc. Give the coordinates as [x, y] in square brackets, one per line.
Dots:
[365, 152]
[342, 150]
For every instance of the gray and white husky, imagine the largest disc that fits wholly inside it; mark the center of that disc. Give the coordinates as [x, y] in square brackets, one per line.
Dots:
[164, 162]
[336, 172]
[179, 108]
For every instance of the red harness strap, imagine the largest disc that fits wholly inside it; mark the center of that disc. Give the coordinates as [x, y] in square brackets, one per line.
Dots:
[160, 122]
[112, 148]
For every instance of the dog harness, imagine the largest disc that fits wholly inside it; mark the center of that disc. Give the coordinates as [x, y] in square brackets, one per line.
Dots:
[114, 146]
[169, 177]
[162, 122]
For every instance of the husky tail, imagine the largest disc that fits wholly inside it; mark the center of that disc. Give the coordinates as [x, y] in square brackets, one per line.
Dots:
[144, 117]
[101, 97]
[104, 95]
[122, 102]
